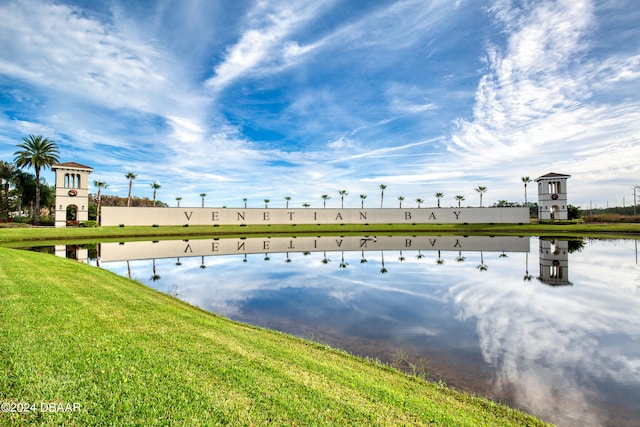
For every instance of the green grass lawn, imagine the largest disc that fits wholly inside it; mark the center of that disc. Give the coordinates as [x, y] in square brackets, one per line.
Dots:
[115, 352]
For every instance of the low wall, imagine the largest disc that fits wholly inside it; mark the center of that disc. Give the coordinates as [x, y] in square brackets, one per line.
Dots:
[114, 216]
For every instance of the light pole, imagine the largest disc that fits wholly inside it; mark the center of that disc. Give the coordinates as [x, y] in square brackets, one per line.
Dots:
[635, 202]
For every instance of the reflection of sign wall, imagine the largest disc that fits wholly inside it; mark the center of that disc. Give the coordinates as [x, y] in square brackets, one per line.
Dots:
[554, 262]
[552, 196]
[207, 247]
[115, 215]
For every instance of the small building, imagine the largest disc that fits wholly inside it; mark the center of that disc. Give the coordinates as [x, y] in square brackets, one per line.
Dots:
[72, 192]
[552, 196]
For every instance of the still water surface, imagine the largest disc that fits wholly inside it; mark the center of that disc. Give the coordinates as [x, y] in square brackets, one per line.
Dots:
[549, 326]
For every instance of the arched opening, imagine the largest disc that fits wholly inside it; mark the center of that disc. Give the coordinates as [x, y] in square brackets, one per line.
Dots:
[72, 215]
[554, 209]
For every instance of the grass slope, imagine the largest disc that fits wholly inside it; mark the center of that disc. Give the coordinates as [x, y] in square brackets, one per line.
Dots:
[129, 355]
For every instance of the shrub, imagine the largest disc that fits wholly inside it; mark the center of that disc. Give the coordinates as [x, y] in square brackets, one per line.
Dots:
[89, 223]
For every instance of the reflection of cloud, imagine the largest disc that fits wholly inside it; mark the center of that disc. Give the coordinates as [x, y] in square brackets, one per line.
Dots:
[546, 343]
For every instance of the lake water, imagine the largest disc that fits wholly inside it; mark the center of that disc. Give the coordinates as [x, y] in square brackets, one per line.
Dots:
[548, 326]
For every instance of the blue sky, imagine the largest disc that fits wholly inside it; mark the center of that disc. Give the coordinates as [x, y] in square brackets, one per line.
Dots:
[267, 99]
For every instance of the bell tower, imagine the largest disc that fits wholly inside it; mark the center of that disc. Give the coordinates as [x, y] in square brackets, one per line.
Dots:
[72, 192]
[552, 196]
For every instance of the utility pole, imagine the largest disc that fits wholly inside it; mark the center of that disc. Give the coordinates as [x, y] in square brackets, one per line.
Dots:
[635, 202]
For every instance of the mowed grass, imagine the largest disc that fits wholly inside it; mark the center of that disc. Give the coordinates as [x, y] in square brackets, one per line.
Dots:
[73, 334]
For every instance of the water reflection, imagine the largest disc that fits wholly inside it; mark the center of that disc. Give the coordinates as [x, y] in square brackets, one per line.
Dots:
[566, 348]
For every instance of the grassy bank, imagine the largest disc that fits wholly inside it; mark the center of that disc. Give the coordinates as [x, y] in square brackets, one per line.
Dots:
[114, 352]
[10, 236]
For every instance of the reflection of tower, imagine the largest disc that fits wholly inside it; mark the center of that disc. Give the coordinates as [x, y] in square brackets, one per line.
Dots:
[73, 252]
[552, 196]
[72, 192]
[554, 262]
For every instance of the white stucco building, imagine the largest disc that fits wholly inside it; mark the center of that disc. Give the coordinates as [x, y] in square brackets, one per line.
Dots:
[72, 191]
[552, 196]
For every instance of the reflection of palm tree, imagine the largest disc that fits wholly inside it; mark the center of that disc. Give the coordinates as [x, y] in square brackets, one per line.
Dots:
[482, 266]
[245, 258]
[460, 258]
[343, 264]
[128, 268]
[363, 260]
[202, 264]
[266, 257]
[325, 260]
[439, 261]
[503, 255]
[401, 257]
[383, 269]
[527, 277]
[420, 255]
[155, 276]
[287, 259]
[178, 261]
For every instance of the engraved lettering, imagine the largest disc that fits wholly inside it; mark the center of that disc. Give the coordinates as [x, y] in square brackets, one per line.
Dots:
[457, 214]
[240, 216]
[241, 246]
[457, 245]
[339, 243]
[407, 243]
[265, 216]
[214, 216]
[188, 249]
[363, 215]
[339, 216]
[290, 245]
[265, 245]
[188, 215]
[433, 242]
[432, 216]
[407, 215]
[215, 246]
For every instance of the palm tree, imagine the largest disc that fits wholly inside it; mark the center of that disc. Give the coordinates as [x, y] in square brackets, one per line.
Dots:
[305, 205]
[245, 202]
[342, 193]
[459, 198]
[439, 196]
[130, 176]
[7, 174]
[362, 197]
[287, 198]
[481, 190]
[419, 201]
[525, 180]
[178, 199]
[203, 195]
[156, 186]
[325, 197]
[266, 203]
[382, 188]
[400, 198]
[99, 185]
[36, 152]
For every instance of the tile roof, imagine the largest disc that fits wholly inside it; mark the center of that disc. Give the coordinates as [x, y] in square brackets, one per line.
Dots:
[553, 175]
[71, 165]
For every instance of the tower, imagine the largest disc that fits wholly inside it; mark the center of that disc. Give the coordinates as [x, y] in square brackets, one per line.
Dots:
[72, 192]
[552, 196]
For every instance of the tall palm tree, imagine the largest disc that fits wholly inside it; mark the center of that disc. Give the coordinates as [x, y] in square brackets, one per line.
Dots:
[481, 190]
[37, 152]
[400, 198]
[439, 196]
[203, 195]
[419, 201]
[525, 180]
[342, 193]
[325, 197]
[178, 199]
[362, 197]
[305, 205]
[266, 203]
[287, 198]
[382, 188]
[245, 202]
[459, 198]
[7, 174]
[99, 185]
[156, 186]
[130, 176]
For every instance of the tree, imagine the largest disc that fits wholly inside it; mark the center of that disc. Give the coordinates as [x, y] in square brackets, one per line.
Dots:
[342, 194]
[99, 185]
[266, 203]
[382, 188]
[287, 198]
[439, 196]
[245, 202]
[305, 205]
[325, 197]
[7, 175]
[178, 199]
[419, 201]
[525, 180]
[400, 198]
[362, 197]
[459, 198]
[37, 152]
[481, 190]
[203, 195]
[130, 176]
[156, 186]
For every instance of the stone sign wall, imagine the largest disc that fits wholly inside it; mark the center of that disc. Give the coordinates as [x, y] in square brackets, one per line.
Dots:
[114, 216]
